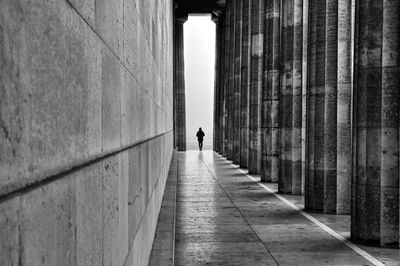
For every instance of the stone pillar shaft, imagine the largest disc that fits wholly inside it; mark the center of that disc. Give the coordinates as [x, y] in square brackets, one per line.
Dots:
[231, 79]
[344, 106]
[221, 76]
[257, 51]
[179, 86]
[237, 81]
[226, 70]
[319, 190]
[305, 95]
[291, 97]
[375, 215]
[217, 87]
[245, 83]
[270, 94]
[328, 176]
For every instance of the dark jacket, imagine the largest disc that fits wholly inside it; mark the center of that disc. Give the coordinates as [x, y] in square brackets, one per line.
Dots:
[200, 135]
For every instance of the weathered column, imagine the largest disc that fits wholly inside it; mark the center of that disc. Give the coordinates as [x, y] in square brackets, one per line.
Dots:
[226, 70]
[237, 81]
[320, 191]
[216, 88]
[305, 96]
[328, 177]
[291, 97]
[245, 83]
[221, 55]
[217, 82]
[256, 73]
[179, 86]
[344, 106]
[375, 213]
[231, 89]
[231, 79]
[270, 94]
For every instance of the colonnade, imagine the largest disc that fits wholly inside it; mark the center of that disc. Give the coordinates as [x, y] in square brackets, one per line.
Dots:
[307, 95]
[179, 86]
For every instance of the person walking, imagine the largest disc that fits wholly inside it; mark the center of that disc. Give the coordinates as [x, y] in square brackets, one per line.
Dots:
[200, 136]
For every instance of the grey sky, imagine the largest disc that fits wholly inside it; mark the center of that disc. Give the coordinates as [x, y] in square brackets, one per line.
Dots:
[199, 45]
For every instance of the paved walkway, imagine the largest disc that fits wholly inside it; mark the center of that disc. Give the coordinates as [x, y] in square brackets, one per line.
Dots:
[225, 218]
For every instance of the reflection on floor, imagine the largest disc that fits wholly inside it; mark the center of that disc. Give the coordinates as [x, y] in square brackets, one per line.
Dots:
[225, 218]
[194, 145]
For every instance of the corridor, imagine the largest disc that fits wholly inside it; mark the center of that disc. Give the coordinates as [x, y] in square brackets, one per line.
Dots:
[93, 119]
[225, 217]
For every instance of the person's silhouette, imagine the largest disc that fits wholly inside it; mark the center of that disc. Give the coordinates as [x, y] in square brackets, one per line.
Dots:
[200, 135]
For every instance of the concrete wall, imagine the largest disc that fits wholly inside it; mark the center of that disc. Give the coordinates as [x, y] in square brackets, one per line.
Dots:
[85, 129]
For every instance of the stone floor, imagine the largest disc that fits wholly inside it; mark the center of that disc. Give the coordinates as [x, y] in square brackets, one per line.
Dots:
[194, 145]
[225, 217]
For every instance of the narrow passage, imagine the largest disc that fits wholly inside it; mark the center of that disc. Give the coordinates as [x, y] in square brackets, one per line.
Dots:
[224, 218]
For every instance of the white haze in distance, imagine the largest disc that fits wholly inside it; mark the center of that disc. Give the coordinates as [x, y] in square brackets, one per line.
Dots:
[199, 47]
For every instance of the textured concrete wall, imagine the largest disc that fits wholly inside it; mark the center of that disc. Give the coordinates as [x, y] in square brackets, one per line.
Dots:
[85, 129]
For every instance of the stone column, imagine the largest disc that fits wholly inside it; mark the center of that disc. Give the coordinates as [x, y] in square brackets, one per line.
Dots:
[305, 96]
[230, 78]
[217, 82]
[179, 86]
[245, 83]
[375, 213]
[226, 70]
[237, 81]
[329, 142]
[344, 105]
[320, 191]
[221, 55]
[270, 94]
[216, 89]
[291, 97]
[256, 77]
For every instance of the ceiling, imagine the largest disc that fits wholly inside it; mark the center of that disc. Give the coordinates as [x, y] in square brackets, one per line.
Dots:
[186, 7]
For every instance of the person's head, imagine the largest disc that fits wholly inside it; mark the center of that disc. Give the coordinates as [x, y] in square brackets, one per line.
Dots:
[199, 128]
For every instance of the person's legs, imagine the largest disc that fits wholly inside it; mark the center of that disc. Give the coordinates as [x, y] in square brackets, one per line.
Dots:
[201, 145]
